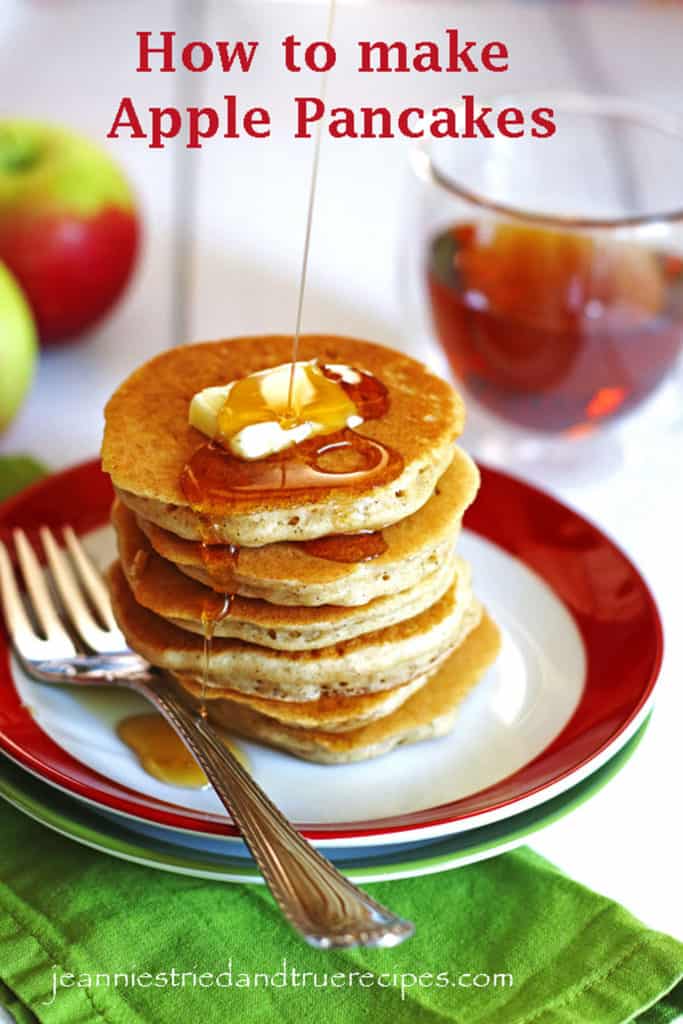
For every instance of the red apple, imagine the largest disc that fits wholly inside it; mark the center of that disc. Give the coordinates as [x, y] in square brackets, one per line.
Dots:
[69, 228]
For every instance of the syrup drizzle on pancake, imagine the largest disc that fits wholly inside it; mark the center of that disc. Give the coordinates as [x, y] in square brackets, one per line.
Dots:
[220, 561]
[216, 608]
[347, 547]
[213, 477]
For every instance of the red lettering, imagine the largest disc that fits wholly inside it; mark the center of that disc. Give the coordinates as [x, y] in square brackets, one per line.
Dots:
[384, 115]
[205, 58]
[508, 117]
[255, 118]
[488, 55]
[126, 110]
[444, 124]
[309, 109]
[195, 132]
[429, 60]
[476, 122]
[329, 57]
[425, 55]
[342, 125]
[290, 44]
[159, 131]
[145, 49]
[197, 55]
[459, 53]
[543, 117]
[239, 53]
[383, 51]
[231, 131]
[404, 123]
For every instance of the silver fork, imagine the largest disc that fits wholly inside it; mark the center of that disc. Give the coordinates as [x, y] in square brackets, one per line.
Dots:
[315, 898]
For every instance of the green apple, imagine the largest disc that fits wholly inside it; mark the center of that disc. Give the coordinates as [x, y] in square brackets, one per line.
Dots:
[18, 346]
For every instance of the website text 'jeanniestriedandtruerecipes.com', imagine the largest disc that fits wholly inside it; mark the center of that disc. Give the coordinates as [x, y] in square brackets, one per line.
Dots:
[286, 976]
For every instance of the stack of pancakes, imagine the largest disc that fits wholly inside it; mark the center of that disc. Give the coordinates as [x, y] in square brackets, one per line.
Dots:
[331, 660]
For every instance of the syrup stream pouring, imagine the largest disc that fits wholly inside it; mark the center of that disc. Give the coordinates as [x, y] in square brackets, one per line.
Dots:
[309, 219]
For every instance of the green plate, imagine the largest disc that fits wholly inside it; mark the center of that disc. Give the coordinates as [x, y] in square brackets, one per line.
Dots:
[72, 819]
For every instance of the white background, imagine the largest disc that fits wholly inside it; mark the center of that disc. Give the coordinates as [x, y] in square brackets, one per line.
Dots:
[223, 235]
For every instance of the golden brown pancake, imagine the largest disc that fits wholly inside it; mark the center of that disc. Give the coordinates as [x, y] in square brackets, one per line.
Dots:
[429, 713]
[376, 661]
[158, 586]
[333, 713]
[333, 661]
[287, 573]
[148, 442]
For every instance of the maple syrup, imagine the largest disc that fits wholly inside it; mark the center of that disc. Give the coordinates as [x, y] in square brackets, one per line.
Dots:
[347, 547]
[220, 562]
[163, 754]
[213, 606]
[216, 608]
[214, 477]
[551, 329]
[288, 394]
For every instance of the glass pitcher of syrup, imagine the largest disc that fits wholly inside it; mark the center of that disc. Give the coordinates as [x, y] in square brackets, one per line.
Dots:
[549, 271]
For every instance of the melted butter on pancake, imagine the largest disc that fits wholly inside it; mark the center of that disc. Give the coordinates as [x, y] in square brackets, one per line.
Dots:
[287, 453]
[257, 416]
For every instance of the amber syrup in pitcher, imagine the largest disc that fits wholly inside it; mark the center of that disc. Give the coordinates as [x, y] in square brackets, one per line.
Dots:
[552, 329]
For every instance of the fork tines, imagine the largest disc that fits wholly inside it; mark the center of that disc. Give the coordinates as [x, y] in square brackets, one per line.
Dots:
[78, 598]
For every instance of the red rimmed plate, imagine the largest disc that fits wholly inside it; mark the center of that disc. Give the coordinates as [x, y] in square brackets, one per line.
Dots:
[582, 649]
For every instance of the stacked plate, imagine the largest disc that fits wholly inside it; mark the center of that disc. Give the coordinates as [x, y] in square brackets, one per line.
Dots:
[555, 717]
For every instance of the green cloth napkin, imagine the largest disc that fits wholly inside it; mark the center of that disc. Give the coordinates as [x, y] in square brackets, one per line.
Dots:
[575, 957]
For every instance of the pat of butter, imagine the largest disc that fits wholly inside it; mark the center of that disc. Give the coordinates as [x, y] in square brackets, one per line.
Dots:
[263, 400]
[204, 409]
[261, 439]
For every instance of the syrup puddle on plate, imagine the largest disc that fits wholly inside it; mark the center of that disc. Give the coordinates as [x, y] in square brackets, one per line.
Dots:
[162, 753]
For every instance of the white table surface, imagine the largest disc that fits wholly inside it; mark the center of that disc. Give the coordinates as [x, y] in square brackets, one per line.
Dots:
[234, 241]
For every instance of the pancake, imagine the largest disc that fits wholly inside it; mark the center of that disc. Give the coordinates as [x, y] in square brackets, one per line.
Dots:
[158, 586]
[287, 573]
[429, 713]
[148, 442]
[375, 661]
[332, 713]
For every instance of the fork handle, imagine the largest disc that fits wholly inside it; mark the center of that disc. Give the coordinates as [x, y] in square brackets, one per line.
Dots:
[326, 908]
